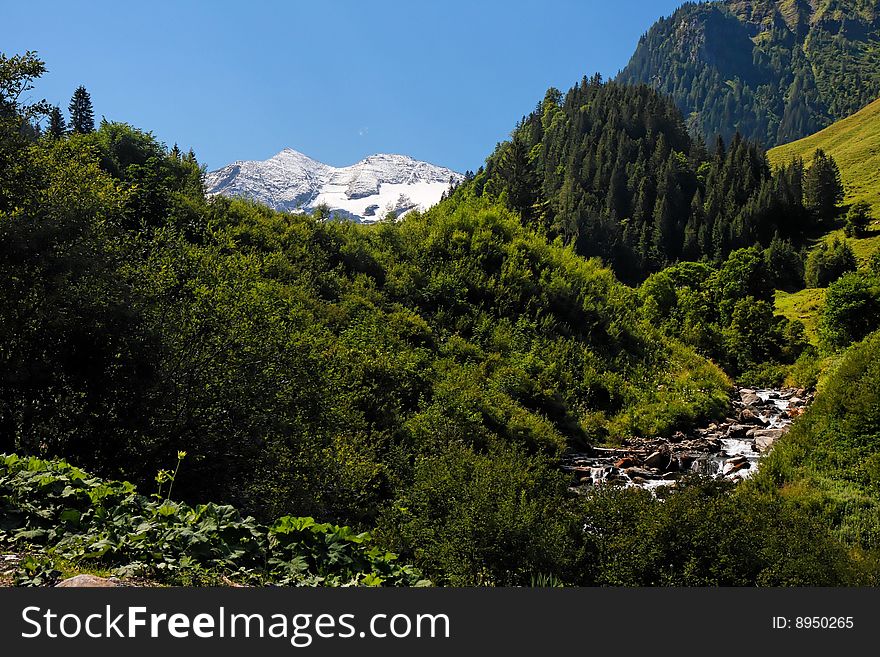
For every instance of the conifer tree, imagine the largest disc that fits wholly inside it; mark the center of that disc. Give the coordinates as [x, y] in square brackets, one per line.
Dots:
[57, 124]
[82, 116]
[823, 189]
[519, 176]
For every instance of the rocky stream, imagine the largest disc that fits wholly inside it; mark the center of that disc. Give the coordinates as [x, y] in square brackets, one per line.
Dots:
[729, 449]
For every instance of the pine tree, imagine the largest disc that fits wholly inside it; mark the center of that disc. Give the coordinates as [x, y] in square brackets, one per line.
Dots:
[82, 117]
[823, 189]
[519, 176]
[57, 124]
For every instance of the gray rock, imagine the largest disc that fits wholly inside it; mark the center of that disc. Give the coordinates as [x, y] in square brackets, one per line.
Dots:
[737, 431]
[765, 438]
[86, 581]
[749, 398]
[730, 468]
[713, 444]
[659, 460]
[748, 416]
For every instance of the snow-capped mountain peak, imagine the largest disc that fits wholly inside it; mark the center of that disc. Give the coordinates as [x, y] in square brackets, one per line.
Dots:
[364, 191]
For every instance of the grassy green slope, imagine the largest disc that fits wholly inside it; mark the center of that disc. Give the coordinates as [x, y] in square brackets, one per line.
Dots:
[803, 305]
[854, 142]
[830, 460]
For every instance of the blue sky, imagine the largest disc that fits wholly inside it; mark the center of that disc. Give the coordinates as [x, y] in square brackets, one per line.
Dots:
[335, 79]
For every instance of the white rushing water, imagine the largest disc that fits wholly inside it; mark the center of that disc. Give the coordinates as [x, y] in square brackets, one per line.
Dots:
[730, 450]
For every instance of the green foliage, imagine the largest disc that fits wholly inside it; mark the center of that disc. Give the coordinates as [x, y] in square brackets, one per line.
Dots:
[746, 339]
[806, 370]
[57, 124]
[852, 310]
[706, 534]
[785, 265]
[828, 262]
[36, 571]
[612, 171]
[773, 70]
[69, 515]
[827, 462]
[82, 116]
[823, 189]
[858, 218]
[483, 519]
[17, 74]
[765, 375]
[743, 274]
[726, 313]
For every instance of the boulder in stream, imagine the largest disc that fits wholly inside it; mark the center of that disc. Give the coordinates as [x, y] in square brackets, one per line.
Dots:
[765, 438]
[659, 459]
[730, 468]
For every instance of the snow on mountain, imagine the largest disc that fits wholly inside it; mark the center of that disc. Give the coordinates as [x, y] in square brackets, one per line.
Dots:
[365, 191]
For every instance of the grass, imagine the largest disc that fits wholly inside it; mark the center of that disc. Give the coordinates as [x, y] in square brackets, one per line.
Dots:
[803, 305]
[854, 143]
[863, 247]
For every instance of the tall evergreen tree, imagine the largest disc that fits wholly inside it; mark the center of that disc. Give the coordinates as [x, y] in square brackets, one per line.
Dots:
[82, 116]
[823, 189]
[57, 124]
[520, 178]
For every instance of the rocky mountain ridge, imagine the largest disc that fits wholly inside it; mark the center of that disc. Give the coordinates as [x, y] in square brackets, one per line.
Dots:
[363, 192]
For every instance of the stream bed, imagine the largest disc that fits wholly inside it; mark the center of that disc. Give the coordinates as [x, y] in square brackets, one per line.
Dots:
[730, 449]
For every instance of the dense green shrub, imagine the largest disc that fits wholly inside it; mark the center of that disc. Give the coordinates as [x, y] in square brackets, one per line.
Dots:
[806, 370]
[726, 313]
[851, 311]
[785, 265]
[875, 262]
[827, 462]
[828, 262]
[707, 534]
[858, 218]
[496, 518]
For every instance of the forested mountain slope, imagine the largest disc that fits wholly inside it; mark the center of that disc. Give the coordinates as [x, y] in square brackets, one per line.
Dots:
[612, 170]
[774, 70]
